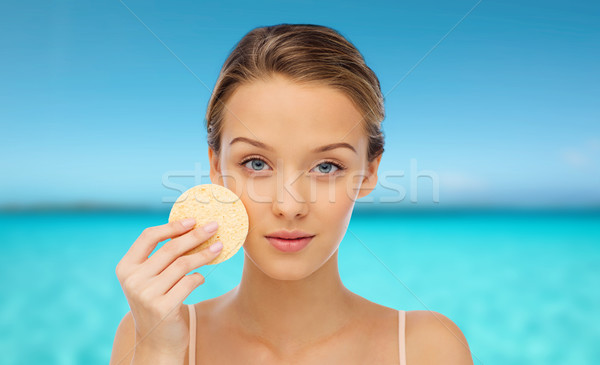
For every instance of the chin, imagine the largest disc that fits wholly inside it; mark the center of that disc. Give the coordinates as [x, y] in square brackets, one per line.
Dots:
[282, 268]
[285, 270]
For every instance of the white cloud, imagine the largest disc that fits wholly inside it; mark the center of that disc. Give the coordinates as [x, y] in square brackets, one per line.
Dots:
[583, 156]
[574, 157]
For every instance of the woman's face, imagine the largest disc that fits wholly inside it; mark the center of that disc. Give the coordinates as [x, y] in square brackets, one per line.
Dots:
[269, 157]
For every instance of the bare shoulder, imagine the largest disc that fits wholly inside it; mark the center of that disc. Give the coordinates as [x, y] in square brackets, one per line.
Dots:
[432, 338]
[124, 342]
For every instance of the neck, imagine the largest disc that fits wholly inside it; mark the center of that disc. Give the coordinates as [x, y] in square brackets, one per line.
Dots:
[290, 314]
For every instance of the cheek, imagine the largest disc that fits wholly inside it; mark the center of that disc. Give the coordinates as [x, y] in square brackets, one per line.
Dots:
[352, 184]
[335, 209]
[256, 194]
[252, 190]
[339, 193]
[259, 190]
[339, 209]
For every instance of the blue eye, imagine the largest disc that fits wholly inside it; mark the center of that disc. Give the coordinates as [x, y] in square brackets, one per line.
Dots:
[331, 165]
[256, 164]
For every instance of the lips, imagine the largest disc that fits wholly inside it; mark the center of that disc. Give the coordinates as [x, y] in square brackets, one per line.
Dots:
[289, 235]
[289, 245]
[289, 241]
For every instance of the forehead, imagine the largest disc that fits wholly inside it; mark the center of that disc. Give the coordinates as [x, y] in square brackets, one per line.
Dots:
[279, 112]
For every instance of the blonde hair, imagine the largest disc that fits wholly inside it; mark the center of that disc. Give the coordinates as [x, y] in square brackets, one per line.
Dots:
[305, 53]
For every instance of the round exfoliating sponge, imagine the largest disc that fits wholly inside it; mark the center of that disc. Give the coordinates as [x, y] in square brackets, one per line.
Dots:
[211, 202]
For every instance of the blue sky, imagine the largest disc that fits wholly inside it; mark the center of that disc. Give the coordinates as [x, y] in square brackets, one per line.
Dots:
[502, 106]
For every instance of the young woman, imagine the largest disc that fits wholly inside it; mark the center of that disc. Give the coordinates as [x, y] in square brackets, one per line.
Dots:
[294, 128]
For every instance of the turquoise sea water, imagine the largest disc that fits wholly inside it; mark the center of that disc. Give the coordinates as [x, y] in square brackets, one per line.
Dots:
[522, 286]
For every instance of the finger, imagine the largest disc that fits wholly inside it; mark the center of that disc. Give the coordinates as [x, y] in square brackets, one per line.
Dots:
[151, 236]
[184, 288]
[175, 248]
[179, 268]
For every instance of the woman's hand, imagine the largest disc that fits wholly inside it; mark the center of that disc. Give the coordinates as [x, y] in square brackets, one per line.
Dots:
[156, 286]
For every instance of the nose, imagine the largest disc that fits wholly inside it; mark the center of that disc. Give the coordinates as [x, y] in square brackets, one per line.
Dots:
[290, 202]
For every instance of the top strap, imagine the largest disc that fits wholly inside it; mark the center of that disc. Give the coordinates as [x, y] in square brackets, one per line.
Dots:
[192, 346]
[401, 336]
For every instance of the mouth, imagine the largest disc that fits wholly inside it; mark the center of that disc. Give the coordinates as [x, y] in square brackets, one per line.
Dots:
[289, 238]
[289, 244]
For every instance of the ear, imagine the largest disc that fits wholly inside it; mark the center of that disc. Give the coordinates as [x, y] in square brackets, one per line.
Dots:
[215, 168]
[370, 180]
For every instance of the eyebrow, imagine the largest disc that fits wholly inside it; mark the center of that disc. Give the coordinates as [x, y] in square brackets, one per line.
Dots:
[325, 148]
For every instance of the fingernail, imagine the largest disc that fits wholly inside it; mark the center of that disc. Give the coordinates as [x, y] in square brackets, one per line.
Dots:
[211, 227]
[215, 247]
[188, 223]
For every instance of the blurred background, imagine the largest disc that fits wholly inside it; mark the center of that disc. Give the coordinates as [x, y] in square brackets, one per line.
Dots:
[487, 208]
